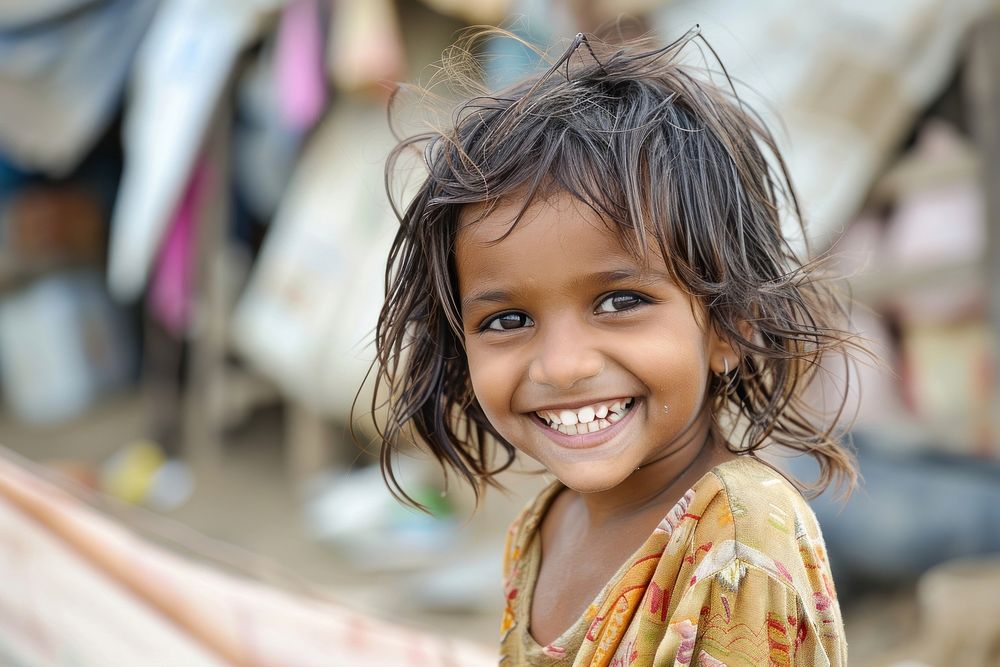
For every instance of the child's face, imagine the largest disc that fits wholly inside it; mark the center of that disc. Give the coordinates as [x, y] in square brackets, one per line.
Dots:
[561, 322]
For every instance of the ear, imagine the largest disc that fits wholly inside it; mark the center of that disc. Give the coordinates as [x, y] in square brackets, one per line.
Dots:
[723, 353]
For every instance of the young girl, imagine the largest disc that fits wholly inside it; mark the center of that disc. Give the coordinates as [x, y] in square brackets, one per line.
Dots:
[594, 274]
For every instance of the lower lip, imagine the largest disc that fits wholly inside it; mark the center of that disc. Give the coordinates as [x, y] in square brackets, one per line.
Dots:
[587, 440]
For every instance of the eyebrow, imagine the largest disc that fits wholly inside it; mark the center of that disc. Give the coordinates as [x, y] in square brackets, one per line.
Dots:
[599, 277]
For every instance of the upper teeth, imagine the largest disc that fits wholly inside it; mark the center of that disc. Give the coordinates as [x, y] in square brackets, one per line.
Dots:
[587, 419]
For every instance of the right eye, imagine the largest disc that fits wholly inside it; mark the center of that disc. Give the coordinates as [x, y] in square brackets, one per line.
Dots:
[507, 322]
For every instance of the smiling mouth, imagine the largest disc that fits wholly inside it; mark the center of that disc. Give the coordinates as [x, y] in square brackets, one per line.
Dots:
[588, 419]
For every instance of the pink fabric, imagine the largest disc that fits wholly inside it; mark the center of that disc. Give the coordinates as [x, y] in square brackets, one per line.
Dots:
[301, 79]
[172, 289]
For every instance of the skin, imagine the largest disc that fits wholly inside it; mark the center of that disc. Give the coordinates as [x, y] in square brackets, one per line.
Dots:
[559, 315]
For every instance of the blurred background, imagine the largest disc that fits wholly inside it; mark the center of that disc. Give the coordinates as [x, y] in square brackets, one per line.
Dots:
[193, 228]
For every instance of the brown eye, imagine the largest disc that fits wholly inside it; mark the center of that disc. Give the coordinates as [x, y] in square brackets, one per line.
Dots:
[508, 321]
[618, 302]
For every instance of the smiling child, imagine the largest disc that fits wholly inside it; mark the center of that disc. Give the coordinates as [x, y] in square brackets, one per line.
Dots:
[593, 274]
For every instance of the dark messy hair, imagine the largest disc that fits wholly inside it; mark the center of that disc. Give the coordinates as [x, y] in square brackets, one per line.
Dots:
[673, 163]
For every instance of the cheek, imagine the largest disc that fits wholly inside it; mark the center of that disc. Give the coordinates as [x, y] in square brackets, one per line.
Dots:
[491, 381]
[675, 368]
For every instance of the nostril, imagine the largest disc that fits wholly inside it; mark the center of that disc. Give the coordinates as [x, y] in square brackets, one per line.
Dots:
[564, 369]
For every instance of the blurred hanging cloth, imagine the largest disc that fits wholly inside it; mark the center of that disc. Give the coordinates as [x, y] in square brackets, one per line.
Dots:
[300, 77]
[365, 50]
[171, 291]
[841, 83]
[63, 67]
[305, 318]
[81, 590]
[180, 77]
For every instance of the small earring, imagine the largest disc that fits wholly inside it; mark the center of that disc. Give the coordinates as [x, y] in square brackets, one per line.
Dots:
[729, 379]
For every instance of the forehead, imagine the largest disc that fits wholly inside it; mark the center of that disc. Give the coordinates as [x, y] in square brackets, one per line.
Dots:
[558, 240]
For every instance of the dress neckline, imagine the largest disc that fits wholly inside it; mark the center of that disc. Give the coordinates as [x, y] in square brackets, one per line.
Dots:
[544, 502]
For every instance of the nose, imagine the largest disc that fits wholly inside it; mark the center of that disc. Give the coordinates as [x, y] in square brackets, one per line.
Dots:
[563, 357]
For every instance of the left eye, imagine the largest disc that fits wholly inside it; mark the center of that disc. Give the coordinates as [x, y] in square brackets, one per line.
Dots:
[618, 302]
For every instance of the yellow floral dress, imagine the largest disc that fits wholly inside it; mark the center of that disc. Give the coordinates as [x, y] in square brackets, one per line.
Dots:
[735, 574]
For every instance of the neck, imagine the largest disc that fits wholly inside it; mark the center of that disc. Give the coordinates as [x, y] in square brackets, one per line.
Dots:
[659, 481]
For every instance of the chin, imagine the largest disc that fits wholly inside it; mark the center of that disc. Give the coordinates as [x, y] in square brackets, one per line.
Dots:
[595, 482]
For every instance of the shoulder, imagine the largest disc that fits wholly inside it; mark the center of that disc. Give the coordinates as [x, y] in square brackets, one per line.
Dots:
[756, 519]
[524, 526]
[520, 566]
[758, 562]
[748, 499]
[764, 509]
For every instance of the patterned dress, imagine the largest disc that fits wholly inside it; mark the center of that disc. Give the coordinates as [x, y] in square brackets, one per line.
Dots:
[735, 574]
